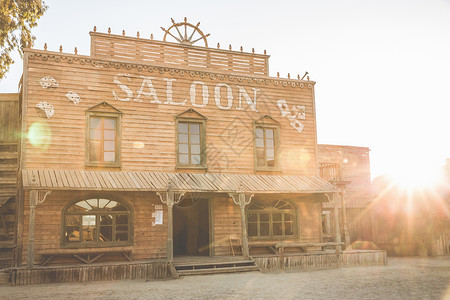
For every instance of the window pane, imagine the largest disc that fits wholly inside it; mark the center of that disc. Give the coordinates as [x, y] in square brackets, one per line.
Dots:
[195, 139]
[106, 220]
[270, 154]
[122, 219]
[109, 123]
[269, 143]
[264, 229]
[72, 231]
[182, 127]
[269, 133]
[288, 229]
[259, 133]
[252, 229]
[276, 217]
[103, 202]
[94, 123]
[109, 156]
[95, 134]
[122, 228]
[259, 143]
[105, 234]
[252, 217]
[110, 135]
[271, 162]
[195, 128]
[183, 138]
[93, 203]
[109, 146]
[264, 217]
[288, 217]
[111, 205]
[94, 150]
[81, 206]
[88, 227]
[195, 149]
[195, 159]
[183, 148]
[183, 159]
[121, 236]
[277, 229]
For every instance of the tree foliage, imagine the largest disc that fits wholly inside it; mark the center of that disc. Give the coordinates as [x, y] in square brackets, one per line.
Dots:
[17, 17]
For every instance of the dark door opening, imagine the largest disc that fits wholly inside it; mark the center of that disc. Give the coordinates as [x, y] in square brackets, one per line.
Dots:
[191, 227]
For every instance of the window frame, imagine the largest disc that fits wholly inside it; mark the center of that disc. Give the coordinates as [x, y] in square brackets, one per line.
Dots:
[276, 140]
[118, 138]
[98, 213]
[203, 156]
[270, 210]
[326, 220]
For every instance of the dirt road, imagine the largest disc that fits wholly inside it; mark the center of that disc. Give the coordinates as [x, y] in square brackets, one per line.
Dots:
[403, 278]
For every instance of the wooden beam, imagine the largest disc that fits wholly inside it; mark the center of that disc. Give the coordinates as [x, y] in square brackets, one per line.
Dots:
[243, 200]
[33, 203]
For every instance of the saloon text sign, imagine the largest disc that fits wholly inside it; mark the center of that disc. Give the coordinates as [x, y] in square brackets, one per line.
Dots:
[222, 95]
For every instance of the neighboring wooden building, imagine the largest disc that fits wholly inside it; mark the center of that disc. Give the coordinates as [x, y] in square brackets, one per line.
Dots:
[149, 149]
[9, 147]
[349, 168]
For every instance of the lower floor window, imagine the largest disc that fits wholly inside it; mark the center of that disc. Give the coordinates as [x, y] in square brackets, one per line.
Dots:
[274, 219]
[97, 221]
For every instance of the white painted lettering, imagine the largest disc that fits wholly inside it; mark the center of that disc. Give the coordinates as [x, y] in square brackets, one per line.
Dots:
[205, 94]
[243, 93]
[169, 93]
[147, 83]
[123, 87]
[229, 96]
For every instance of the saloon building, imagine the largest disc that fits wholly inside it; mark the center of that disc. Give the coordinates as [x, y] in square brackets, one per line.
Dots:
[153, 151]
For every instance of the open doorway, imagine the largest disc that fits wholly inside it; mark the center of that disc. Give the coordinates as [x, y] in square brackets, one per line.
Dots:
[191, 227]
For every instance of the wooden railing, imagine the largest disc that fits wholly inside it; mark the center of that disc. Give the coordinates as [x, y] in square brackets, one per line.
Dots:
[330, 171]
[144, 50]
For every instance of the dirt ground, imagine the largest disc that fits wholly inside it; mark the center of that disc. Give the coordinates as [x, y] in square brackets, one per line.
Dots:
[403, 278]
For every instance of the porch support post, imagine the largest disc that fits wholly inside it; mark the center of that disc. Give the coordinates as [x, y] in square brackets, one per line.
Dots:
[30, 252]
[170, 198]
[36, 197]
[344, 217]
[338, 230]
[243, 200]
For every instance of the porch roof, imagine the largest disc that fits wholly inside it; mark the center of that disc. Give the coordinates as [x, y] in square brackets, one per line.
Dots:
[176, 182]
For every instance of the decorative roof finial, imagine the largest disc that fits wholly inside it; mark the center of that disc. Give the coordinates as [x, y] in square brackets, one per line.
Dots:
[109, 29]
[151, 36]
[278, 74]
[218, 45]
[137, 34]
[123, 32]
[253, 50]
[45, 46]
[60, 48]
[76, 51]
[230, 46]
[298, 76]
[242, 49]
[289, 75]
[265, 52]
[95, 28]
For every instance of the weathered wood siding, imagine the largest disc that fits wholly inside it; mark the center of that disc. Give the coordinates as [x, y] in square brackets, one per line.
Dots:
[227, 224]
[149, 241]
[229, 133]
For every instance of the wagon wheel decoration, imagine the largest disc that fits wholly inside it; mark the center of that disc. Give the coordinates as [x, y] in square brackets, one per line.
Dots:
[189, 37]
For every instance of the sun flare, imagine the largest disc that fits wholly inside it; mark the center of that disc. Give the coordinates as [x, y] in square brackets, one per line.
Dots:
[416, 174]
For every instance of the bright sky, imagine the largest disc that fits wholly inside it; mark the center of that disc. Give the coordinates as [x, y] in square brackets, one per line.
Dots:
[382, 67]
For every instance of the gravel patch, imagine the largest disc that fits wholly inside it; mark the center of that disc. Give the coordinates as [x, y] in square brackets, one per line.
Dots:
[402, 278]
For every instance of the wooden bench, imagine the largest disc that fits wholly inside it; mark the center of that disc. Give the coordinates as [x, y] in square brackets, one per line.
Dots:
[86, 256]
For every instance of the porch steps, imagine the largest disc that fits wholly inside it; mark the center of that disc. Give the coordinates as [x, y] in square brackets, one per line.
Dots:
[185, 269]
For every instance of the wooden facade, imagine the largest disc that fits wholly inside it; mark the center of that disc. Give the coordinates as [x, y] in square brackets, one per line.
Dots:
[349, 168]
[149, 150]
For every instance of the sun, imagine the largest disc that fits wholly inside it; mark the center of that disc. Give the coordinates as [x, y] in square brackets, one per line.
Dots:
[415, 174]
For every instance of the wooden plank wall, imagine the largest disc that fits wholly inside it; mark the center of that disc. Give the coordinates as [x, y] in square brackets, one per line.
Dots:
[147, 271]
[148, 130]
[144, 50]
[227, 224]
[307, 261]
[9, 118]
[149, 241]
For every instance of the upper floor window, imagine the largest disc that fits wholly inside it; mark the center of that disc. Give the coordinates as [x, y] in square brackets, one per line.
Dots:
[270, 219]
[97, 222]
[103, 136]
[266, 144]
[191, 140]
